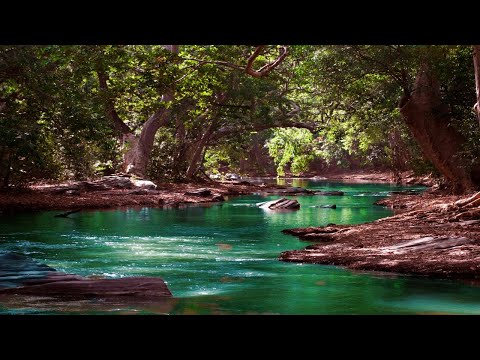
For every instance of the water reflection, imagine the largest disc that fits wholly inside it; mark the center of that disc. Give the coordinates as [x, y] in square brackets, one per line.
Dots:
[223, 259]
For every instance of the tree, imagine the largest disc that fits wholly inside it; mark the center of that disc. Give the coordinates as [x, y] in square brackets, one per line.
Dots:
[428, 119]
[50, 124]
[476, 65]
[434, 111]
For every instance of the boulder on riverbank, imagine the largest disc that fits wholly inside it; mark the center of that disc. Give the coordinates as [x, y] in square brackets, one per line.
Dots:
[77, 288]
[112, 182]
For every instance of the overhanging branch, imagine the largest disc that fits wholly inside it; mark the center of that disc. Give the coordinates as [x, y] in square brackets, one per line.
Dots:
[264, 70]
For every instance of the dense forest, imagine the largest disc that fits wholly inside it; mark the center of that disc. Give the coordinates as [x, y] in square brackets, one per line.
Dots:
[182, 113]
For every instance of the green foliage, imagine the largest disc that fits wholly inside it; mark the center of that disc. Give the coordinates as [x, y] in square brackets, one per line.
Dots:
[167, 162]
[293, 148]
[218, 159]
[53, 121]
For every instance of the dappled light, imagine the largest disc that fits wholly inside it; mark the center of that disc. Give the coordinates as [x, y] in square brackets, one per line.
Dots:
[239, 179]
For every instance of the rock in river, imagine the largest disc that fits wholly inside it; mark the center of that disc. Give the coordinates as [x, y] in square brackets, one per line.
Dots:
[280, 204]
[333, 206]
[330, 193]
[22, 276]
[292, 190]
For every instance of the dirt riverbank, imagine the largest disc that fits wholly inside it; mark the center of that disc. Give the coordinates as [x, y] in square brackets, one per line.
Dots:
[432, 234]
[38, 198]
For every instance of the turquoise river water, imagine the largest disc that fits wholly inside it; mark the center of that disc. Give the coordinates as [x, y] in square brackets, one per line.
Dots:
[223, 258]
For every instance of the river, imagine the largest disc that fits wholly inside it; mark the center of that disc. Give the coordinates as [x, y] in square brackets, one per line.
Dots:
[223, 258]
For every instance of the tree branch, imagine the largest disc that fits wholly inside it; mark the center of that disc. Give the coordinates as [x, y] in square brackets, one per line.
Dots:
[264, 70]
[222, 63]
[399, 79]
[119, 126]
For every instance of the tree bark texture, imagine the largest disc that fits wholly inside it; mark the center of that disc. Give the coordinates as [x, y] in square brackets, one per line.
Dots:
[476, 65]
[140, 147]
[135, 160]
[428, 118]
[198, 152]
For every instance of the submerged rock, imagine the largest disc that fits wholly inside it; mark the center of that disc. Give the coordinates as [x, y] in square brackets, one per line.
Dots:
[293, 190]
[330, 193]
[405, 192]
[333, 206]
[16, 268]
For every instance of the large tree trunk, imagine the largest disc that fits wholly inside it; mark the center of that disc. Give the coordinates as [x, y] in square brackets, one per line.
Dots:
[476, 65]
[135, 160]
[428, 119]
[198, 152]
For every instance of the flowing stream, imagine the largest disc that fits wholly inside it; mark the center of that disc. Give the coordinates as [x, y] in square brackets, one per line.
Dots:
[223, 258]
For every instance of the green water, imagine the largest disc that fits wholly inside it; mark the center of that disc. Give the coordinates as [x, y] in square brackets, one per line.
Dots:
[222, 259]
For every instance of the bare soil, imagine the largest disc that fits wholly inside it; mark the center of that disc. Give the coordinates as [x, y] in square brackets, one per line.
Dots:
[431, 234]
[38, 197]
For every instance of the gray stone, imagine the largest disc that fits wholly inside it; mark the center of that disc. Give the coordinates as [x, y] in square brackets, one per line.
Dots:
[144, 184]
[280, 204]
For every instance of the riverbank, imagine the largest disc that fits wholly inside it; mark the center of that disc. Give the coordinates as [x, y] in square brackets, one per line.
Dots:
[445, 236]
[96, 195]
[431, 234]
[38, 198]
[402, 178]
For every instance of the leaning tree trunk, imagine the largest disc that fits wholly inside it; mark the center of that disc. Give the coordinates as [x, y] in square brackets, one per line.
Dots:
[476, 65]
[428, 119]
[135, 160]
[195, 162]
